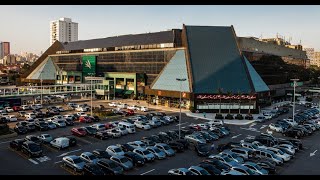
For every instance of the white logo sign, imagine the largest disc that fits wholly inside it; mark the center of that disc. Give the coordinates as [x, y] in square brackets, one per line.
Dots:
[88, 64]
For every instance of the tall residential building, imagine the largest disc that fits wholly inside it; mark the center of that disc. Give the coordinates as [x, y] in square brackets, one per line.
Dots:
[317, 59]
[310, 55]
[4, 49]
[63, 30]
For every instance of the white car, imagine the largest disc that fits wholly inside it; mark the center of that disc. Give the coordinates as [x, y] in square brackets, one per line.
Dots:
[267, 116]
[60, 123]
[12, 118]
[258, 144]
[143, 109]
[81, 114]
[39, 106]
[133, 107]
[137, 144]
[122, 105]
[113, 133]
[203, 126]
[114, 151]
[99, 127]
[82, 109]
[58, 117]
[30, 115]
[287, 147]
[122, 130]
[291, 122]
[8, 109]
[279, 153]
[68, 116]
[142, 125]
[276, 127]
[25, 107]
[113, 104]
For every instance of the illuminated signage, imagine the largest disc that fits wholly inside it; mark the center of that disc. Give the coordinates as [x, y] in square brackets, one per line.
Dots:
[236, 97]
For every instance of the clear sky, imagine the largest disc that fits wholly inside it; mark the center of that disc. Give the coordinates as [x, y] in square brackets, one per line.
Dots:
[27, 27]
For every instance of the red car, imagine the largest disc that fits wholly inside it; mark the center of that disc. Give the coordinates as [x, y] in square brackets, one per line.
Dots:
[108, 126]
[16, 108]
[79, 131]
[195, 127]
[130, 112]
[85, 119]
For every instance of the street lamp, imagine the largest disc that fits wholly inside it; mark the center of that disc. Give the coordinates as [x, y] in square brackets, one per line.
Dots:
[180, 80]
[41, 85]
[294, 96]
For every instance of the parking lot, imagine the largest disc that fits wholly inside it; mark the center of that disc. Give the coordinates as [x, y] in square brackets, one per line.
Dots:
[51, 161]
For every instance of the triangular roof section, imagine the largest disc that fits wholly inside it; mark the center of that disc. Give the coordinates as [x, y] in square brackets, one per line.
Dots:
[216, 60]
[47, 71]
[176, 68]
[258, 83]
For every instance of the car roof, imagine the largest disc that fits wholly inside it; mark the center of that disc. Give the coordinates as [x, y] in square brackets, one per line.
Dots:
[86, 153]
[140, 149]
[117, 156]
[183, 169]
[113, 146]
[197, 168]
[250, 163]
[72, 157]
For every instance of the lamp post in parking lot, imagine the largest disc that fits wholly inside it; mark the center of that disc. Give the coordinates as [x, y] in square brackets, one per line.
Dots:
[180, 80]
[294, 96]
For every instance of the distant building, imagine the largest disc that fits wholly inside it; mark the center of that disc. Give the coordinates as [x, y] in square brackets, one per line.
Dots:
[310, 55]
[63, 30]
[317, 59]
[9, 60]
[4, 49]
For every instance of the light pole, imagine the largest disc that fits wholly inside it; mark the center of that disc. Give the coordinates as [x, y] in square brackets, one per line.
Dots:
[91, 97]
[318, 97]
[294, 96]
[180, 80]
[41, 85]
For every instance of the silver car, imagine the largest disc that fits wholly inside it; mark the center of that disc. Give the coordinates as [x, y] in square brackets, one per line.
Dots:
[233, 156]
[157, 152]
[122, 161]
[46, 138]
[147, 155]
[89, 157]
[74, 162]
[256, 168]
[165, 148]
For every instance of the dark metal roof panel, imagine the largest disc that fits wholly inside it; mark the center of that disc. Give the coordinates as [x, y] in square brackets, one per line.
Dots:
[216, 61]
[125, 40]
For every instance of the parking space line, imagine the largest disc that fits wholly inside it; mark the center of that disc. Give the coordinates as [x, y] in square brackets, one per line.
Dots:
[83, 140]
[51, 148]
[5, 142]
[147, 172]
[182, 123]
[66, 153]
[33, 161]
[57, 162]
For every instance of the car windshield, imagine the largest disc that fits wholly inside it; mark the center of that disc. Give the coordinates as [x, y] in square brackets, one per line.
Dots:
[189, 173]
[280, 152]
[77, 161]
[226, 158]
[257, 167]
[61, 121]
[146, 152]
[34, 139]
[166, 147]
[255, 146]
[234, 155]
[34, 147]
[123, 160]
[204, 172]
[117, 149]
[156, 150]
[46, 135]
[42, 124]
[112, 164]
[92, 157]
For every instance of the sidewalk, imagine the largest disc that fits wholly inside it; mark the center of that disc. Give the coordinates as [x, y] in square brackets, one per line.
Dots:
[210, 116]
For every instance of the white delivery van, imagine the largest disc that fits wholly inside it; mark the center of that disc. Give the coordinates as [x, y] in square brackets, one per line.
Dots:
[60, 143]
[129, 127]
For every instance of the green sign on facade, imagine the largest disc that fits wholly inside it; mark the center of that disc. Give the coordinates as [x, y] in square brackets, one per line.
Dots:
[88, 66]
[297, 84]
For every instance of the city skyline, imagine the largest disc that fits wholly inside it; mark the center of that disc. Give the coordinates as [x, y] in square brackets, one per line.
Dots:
[27, 27]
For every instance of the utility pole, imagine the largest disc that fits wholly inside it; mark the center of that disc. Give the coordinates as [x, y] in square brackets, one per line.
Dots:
[180, 80]
[41, 86]
[294, 96]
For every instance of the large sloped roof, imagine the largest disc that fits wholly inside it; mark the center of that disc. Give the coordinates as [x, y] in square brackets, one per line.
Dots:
[258, 84]
[176, 68]
[46, 71]
[125, 40]
[216, 61]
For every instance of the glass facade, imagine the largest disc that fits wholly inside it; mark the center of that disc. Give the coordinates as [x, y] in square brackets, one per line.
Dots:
[149, 62]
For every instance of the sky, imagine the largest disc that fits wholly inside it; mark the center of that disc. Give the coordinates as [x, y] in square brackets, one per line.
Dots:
[27, 28]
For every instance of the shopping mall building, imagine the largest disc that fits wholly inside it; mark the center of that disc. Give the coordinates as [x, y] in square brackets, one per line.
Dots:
[215, 72]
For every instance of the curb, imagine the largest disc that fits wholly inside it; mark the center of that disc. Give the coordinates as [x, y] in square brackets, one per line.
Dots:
[225, 121]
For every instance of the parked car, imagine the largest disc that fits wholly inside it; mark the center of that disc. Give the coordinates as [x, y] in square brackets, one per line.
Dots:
[102, 135]
[197, 170]
[256, 168]
[60, 143]
[114, 150]
[19, 129]
[101, 154]
[88, 157]
[31, 149]
[34, 139]
[202, 149]
[122, 161]
[113, 133]
[147, 155]
[93, 169]
[17, 144]
[157, 152]
[109, 165]
[210, 168]
[126, 147]
[74, 162]
[45, 138]
[165, 148]
[180, 171]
